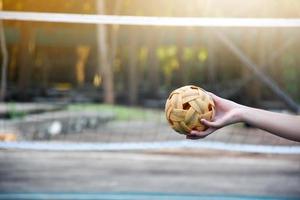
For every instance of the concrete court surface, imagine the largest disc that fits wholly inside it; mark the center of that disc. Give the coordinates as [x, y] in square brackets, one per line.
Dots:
[174, 171]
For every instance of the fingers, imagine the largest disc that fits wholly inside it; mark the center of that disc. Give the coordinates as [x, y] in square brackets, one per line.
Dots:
[194, 135]
[215, 124]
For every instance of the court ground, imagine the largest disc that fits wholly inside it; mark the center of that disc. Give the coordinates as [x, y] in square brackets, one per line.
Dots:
[189, 171]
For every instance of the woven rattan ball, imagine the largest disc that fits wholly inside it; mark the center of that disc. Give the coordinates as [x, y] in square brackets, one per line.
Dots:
[186, 106]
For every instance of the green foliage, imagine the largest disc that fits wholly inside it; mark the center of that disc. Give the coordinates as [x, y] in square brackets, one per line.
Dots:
[290, 75]
[202, 55]
[13, 113]
[188, 54]
[168, 59]
[143, 54]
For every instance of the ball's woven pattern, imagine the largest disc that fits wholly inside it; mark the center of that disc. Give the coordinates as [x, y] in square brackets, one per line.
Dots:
[186, 106]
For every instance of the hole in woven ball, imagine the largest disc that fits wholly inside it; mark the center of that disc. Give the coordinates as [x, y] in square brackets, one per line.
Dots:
[195, 128]
[186, 106]
[194, 87]
[209, 107]
[171, 122]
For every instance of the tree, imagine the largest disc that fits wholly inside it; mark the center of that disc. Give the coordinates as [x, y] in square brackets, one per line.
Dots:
[133, 69]
[24, 72]
[153, 63]
[104, 66]
[4, 61]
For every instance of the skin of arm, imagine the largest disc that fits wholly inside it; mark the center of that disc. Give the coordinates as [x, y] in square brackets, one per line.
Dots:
[229, 112]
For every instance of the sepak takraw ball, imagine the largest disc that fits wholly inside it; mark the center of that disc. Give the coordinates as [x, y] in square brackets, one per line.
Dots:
[186, 106]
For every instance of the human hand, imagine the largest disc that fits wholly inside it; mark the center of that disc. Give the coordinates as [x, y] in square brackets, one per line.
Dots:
[227, 112]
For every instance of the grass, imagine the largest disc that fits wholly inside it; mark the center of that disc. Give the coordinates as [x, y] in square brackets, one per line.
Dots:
[13, 113]
[121, 112]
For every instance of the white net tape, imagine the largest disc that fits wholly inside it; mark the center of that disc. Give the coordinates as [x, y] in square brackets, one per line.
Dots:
[150, 21]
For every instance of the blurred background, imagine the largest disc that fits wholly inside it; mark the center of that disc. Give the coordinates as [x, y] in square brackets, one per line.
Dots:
[82, 104]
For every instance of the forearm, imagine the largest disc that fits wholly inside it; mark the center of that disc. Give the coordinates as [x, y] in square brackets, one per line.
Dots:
[283, 125]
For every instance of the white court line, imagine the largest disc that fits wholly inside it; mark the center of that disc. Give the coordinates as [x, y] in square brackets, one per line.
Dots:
[80, 146]
[150, 21]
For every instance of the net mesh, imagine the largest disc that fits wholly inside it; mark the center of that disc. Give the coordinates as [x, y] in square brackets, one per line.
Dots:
[58, 122]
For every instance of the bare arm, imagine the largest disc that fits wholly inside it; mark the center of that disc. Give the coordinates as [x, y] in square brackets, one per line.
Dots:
[228, 112]
[283, 125]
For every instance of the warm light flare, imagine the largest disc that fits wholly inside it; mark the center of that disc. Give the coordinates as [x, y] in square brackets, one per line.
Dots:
[97, 80]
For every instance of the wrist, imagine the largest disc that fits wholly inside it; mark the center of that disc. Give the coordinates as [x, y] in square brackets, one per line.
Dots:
[242, 113]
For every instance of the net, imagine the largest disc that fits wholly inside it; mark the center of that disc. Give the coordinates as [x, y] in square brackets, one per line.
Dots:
[69, 125]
